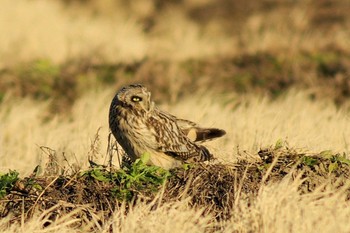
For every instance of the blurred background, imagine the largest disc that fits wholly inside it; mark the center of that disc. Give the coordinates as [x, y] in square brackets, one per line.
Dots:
[59, 49]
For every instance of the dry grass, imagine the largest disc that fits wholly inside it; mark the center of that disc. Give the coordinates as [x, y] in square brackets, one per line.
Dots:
[281, 209]
[118, 32]
[251, 123]
[278, 208]
[60, 35]
[177, 47]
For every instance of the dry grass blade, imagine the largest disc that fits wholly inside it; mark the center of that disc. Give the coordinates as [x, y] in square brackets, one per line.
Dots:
[31, 210]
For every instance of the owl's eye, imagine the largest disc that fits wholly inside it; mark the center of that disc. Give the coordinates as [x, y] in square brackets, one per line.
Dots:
[136, 99]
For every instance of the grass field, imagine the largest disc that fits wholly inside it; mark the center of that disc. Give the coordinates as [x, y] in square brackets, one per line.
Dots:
[268, 72]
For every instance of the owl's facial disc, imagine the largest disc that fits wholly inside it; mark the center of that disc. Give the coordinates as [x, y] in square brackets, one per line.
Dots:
[141, 101]
[136, 97]
[137, 100]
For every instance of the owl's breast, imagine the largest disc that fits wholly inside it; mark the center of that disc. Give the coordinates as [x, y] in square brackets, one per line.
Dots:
[134, 133]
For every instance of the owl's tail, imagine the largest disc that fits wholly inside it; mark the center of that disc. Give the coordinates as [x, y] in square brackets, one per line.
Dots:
[197, 134]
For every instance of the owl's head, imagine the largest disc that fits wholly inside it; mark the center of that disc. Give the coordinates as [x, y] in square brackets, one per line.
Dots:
[135, 96]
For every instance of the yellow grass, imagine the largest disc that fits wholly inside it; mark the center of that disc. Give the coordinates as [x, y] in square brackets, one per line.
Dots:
[251, 122]
[43, 29]
[112, 31]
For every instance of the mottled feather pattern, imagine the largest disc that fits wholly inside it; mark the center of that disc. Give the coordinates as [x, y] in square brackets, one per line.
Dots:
[140, 127]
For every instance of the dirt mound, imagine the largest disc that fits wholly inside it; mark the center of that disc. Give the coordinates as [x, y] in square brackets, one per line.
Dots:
[217, 187]
[214, 187]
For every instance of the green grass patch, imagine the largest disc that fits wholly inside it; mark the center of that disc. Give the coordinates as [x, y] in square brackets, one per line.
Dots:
[7, 181]
[131, 179]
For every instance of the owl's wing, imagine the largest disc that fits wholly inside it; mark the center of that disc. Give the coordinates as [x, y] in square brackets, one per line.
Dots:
[200, 154]
[184, 124]
[171, 140]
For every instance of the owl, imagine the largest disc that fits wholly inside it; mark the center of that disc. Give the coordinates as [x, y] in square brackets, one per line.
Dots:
[140, 127]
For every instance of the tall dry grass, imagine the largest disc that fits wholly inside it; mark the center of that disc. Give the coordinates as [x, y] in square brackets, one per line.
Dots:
[46, 29]
[251, 122]
[51, 30]
[116, 31]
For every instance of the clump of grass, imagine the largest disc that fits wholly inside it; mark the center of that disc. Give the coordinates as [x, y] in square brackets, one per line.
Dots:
[7, 182]
[317, 169]
[101, 188]
[135, 178]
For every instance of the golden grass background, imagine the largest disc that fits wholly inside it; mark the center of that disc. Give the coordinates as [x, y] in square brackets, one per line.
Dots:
[117, 31]
[176, 33]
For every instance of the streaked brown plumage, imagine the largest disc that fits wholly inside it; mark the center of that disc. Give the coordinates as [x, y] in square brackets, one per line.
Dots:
[141, 127]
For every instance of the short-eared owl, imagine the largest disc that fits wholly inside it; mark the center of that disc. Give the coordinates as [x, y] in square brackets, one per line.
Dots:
[139, 127]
